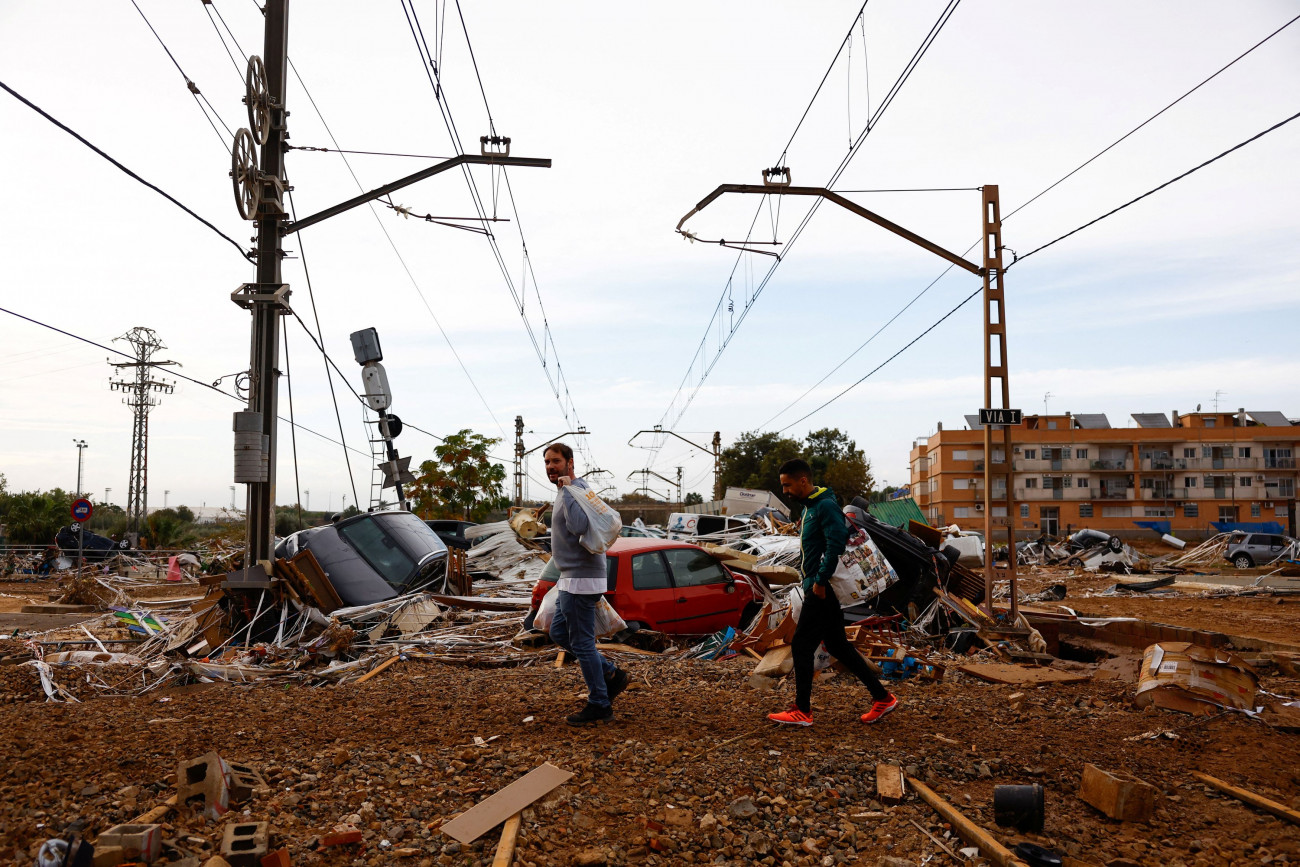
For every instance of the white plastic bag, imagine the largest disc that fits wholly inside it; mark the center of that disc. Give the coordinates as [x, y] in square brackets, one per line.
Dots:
[862, 573]
[607, 620]
[546, 611]
[603, 523]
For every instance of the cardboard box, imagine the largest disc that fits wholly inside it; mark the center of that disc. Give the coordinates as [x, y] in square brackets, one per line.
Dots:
[1194, 679]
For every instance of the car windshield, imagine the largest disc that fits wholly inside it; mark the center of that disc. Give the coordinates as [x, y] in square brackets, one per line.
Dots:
[380, 550]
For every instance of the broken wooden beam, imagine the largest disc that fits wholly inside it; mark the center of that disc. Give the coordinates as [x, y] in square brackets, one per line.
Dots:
[1266, 804]
[505, 854]
[890, 787]
[972, 833]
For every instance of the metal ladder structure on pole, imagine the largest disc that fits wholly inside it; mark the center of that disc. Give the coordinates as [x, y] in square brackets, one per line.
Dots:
[377, 456]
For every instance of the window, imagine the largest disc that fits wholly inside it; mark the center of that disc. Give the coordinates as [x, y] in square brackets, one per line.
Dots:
[1282, 511]
[380, 550]
[1031, 483]
[1024, 511]
[1191, 510]
[1286, 488]
[959, 454]
[1255, 510]
[1228, 514]
[1051, 425]
[1085, 510]
[961, 512]
[1243, 451]
[1207, 452]
[1189, 481]
[1031, 454]
[1189, 453]
[1244, 481]
[1081, 483]
[692, 567]
[999, 511]
[1117, 511]
[649, 572]
[1209, 422]
[1154, 512]
[1081, 454]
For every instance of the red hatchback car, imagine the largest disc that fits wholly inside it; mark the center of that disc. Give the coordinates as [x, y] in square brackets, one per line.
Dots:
[671, 587]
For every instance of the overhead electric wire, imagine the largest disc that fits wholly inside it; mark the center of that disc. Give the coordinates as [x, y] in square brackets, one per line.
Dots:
[170, 372]
[968, 298]
[79, 137]
[1167, 183]
[433, 72]
[193, 88]
[871, 124]
[1026, 204]
[401, 260]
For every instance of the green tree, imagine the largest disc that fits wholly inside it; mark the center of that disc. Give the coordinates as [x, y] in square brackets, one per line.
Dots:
[753, 461]
[694, 499]
[165, 528]
[34, 517]
[186, 514]
[462, 481]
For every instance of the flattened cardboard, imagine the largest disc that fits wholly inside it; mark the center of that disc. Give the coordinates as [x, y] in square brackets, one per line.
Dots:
[1018, 675]
[1186, 677]
[495, 809]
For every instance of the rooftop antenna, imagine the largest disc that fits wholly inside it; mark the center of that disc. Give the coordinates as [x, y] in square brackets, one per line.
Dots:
[1217, 395]
[1046, 397]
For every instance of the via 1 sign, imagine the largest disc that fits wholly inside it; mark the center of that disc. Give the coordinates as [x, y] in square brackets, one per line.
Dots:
[994, 417]
[81, 509]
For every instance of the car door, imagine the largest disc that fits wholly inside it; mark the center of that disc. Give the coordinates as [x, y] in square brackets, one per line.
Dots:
[703, 602]
[651, 598]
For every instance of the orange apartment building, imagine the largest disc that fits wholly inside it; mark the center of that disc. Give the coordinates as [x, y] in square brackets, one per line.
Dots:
[1073, 471]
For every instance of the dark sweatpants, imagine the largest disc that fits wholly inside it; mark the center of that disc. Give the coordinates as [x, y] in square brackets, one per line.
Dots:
[820, 621]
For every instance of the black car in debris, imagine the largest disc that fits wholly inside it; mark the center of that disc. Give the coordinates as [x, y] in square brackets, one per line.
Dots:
[95, 548]
[452, 532]
[373, 556]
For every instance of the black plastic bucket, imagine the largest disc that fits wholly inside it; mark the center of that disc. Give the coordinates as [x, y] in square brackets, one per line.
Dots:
[1020, 807]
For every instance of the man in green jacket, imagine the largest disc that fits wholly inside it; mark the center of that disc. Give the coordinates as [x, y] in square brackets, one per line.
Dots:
[822, 538]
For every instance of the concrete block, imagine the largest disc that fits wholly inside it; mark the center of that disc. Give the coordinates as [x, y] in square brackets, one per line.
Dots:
[245, 782]
[203, 785]
[138, 842]
[244, 844]
[1118, 796]
[341, 835]
[108, 856]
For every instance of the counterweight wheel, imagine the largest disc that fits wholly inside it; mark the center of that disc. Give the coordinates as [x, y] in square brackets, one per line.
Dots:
[243, 175]
[258, 100]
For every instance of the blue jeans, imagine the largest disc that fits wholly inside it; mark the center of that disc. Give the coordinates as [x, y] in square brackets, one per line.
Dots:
[574, 628]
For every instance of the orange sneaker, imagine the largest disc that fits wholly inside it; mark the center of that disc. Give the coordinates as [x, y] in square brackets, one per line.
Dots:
[879, 709]
[791, 717]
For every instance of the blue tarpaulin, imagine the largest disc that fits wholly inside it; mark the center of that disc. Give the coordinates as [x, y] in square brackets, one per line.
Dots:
[1161, 527]
[1256, 527]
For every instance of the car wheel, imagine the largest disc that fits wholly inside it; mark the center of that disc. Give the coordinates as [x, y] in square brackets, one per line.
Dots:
[1074, 561]
[1242, 561]
[1114, 544]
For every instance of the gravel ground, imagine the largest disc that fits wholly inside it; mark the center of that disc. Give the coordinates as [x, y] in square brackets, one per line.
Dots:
[689, 772]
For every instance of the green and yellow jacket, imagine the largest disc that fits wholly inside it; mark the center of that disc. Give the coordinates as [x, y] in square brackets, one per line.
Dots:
[822, 538]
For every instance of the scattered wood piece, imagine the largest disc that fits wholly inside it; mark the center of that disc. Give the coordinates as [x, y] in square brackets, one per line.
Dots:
[890, 787]
[626, 648]
[754, 654]
[505, 854]
[496, 808]
[1119, 796]
[1266, 804]
[1017, 675]
[776, 662]
[926, 831]
[157, 813]
[559, 659]
[972, 833]
[378, 668]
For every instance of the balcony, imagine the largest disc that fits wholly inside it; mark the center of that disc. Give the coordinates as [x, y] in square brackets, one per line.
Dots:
[1162, 494]
[1119, 466]
[1157, 464]
[1279, 463]
[1040, 494]
[1040, 465]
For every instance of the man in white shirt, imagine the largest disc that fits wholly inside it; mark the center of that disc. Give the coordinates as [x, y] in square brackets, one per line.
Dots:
[582, 582]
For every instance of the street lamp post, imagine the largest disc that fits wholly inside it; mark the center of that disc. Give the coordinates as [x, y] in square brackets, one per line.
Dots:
[81, 449]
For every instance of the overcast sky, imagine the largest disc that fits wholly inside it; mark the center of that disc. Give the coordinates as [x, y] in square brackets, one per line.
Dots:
[646, 108]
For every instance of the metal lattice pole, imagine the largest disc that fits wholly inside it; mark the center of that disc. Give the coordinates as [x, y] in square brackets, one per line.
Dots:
[140, 391]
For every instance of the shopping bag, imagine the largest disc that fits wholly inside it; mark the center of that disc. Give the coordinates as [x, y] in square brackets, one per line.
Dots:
[546, 611]
[607, 620]
[603, 523]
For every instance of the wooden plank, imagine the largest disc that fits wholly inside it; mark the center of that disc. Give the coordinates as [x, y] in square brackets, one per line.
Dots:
[559, 659]
[972, 833]
[890, 787]
[1266, 804]
[378, 668]
[1118, 796]
[775, 663]
[492, 811]
[625, 648]
[505, 854]
[157, 813]
[1017, 675]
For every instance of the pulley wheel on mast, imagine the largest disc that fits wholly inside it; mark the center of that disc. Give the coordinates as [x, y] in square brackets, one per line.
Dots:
[258, 100]
[244, 175]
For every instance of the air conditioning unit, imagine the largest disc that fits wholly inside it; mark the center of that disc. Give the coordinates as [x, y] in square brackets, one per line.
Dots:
[979, 507]
[1016, 450]
[1259, 478]
[1268, 504]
